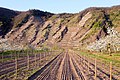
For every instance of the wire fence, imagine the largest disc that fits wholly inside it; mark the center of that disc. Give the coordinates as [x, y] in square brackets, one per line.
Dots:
[20, 65]
[97, 69]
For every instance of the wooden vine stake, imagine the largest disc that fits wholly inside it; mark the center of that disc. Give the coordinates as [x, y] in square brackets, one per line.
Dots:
[45, 54]
[40, 57]
[18, 55]
[28, 61]
[11, 55]
[2, 57]
[45, 57]
[84, 61]
[39, 60]
[35, 60]
[49, 53]
[88, 67]
[95, 70]
[110, 70]
[16, 64]
[81, 59]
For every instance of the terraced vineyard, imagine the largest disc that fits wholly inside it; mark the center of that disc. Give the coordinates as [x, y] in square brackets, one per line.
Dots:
[68, 65]
[73, 66]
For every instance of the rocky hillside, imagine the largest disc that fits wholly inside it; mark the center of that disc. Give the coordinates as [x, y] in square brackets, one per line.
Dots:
[6, 17]
[39, 28]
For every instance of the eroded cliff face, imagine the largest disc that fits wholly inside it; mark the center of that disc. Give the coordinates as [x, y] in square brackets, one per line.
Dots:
[80, 29]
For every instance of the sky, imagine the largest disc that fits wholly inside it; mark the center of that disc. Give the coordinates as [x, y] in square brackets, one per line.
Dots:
[56, 6]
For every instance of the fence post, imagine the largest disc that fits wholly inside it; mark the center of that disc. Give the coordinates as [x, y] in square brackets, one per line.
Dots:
[49, 53]
[110, 70]
[35, 61]
[44, 55]
[39, 60]
[11, 55]
[95, 70]
[16, 64]
[18, 54]
[84, 60]
[28, 60]
[88, 67]
[40, 57]
[2, 57]
[81, 59]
